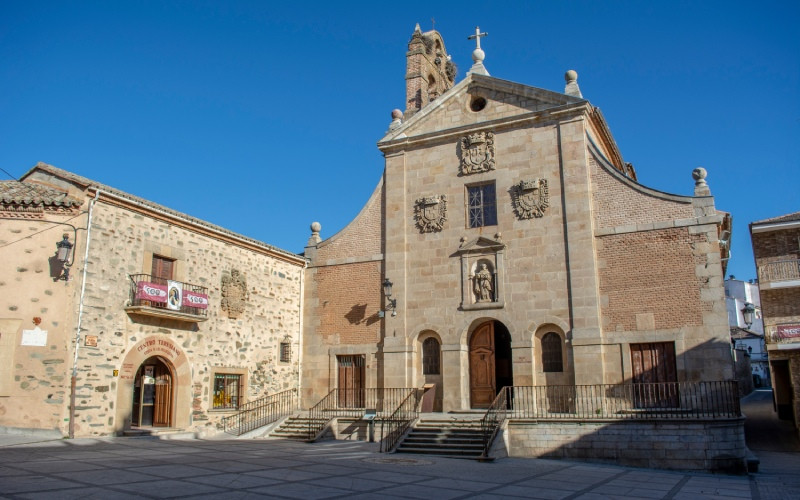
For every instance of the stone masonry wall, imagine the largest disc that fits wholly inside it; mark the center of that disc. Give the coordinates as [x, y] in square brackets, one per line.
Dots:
[35, 379]
[716, 445]
[122, 244]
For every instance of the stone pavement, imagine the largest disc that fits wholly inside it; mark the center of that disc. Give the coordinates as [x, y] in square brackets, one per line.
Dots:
[123, 468]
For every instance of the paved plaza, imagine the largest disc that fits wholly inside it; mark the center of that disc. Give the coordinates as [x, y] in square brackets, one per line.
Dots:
[122, 468]
[41, 465]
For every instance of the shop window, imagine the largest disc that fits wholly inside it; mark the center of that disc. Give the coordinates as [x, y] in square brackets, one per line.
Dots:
[227, 391]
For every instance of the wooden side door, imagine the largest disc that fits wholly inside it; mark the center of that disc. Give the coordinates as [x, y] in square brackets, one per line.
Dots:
[655, 369]
[351, 381]
[162, 408]
[482, 386]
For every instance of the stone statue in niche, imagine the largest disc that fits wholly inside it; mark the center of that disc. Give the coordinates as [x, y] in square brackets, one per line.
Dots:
[483, 285]
[530, 198]
[477, 153]
[431, 213]
[234, 293]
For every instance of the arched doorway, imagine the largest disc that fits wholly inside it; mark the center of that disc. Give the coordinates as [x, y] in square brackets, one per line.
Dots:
[490, 366]
[153, 394]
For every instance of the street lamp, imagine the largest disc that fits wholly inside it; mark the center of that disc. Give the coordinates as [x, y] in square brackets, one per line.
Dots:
[387, 291]
[747, 313]
[63, 255]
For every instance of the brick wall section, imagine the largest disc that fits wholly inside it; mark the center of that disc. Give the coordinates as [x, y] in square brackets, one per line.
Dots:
[616, 204]
[648, 272]
[774, 246]
[360, 238]
[349, 300]
[691, 445]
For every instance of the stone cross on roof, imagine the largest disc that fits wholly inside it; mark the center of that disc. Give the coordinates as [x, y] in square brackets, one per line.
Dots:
[477, 37]
[478, 55]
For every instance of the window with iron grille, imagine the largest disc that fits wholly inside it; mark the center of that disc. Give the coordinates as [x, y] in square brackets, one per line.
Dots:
[430, 356]
[551, 353]
[227, 391]
[286, 352]
[482, 205]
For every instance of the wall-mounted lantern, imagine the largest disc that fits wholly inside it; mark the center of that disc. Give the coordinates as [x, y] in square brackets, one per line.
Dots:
[747, 313]
[65, 256]
[387, 292]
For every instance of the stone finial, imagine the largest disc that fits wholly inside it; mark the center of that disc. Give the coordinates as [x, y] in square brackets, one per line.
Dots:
[700, 185]
[316, 227]
[572, 88]
[478, 55]
[397, 119]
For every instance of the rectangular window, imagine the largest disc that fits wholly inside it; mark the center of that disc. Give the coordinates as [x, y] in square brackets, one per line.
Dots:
[227, 391]
[286, 352]
[482, 205]
[162, 269]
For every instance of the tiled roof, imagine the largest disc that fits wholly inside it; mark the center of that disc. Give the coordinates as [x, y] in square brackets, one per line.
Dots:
[21, 193]
[782, 218]
[84, 183]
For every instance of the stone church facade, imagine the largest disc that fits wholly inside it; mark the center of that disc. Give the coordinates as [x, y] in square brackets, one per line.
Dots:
[521, 249]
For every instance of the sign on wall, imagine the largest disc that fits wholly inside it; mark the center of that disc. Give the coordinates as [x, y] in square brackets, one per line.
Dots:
[36, 337]
[788, 331]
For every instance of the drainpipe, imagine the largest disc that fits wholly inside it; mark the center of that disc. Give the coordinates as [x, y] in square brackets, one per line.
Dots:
[73, 382]
[300, 338]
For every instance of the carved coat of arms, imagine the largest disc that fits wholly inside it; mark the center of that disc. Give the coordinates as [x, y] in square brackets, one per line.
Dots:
[477, 153]
[431, 213]
[530, 198]
[234, 293]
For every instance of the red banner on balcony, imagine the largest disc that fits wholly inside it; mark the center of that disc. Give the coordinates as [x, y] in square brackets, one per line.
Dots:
[192, 299]
[788, 331]
[151, 291]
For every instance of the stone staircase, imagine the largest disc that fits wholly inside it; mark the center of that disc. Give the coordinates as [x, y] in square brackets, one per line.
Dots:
[295, 427]
[448, 437]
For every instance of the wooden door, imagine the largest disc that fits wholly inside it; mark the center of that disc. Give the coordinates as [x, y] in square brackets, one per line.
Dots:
[351, 381]
[482, 386]
[655, 375]
[162, 408]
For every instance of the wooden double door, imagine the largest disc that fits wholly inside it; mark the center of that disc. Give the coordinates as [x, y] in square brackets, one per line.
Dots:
[490, 366]
[655, 375]
[351, 383]
[152, 394]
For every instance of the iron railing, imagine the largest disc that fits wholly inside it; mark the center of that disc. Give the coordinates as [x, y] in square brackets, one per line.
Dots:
[354, 403]
[493, 419]
[670, 400]
[138, 296]
[261, 412]
[395, 425]
[781, 270]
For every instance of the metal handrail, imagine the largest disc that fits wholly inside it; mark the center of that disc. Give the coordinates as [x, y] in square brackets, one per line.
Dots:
[407, 411]
[134, 300]
[493, 419]
[353, 403]
[667, 400]
[260, 412]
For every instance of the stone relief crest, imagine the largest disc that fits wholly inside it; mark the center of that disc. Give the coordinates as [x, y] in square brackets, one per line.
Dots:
[477, 153]
[530, 198]
[234, 293]
[431, 213]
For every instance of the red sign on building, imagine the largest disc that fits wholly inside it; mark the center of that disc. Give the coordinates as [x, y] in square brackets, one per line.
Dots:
[788, 331]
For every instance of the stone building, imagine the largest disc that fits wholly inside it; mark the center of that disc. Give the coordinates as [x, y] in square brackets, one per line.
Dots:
[165, 321]
[776, 249]
[521, 249]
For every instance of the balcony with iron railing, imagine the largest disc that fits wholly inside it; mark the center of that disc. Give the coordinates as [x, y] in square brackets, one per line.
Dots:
[162, 298]
[779, 274]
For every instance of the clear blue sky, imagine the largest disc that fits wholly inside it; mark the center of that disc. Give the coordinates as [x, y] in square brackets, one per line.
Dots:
[263, 117]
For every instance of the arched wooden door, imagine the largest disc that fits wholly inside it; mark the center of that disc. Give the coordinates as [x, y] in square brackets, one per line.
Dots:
[482, 390]
[152, 394]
